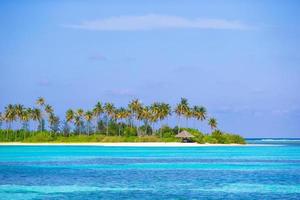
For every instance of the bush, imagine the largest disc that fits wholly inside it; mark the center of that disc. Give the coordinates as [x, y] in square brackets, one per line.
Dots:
[233, 138]
[209, 139]
[40, 137]
[146, 130]
[219, 137]
[199, 139]
[129, 131]
[166, 132]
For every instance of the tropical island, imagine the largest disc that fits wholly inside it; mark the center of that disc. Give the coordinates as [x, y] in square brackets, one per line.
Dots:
[105, 123]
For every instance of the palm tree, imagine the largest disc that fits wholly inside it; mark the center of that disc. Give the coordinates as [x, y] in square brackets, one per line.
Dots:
[135, 106]
[97, 111]
[118, 116]
[26, 115]
[182, 109]
[164, 111]
[160, 111]
[80, 112]
[88, 117]
[155, 114]
[36, 115]
[54, 122]
[199, 112]
[145, 116]
[41, 102]
[48, 109]
[212, 122]
[69, 115]
[109, 110]
[202, 112]
[78, 120]
[19, 111]
[125, 114]
[9, 115]
[121, 114]
[188, 114]
[140, 117]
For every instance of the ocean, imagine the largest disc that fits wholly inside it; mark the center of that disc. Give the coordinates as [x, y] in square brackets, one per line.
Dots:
[268, 171]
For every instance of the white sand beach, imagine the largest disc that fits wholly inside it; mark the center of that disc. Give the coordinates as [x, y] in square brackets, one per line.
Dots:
[126, 144]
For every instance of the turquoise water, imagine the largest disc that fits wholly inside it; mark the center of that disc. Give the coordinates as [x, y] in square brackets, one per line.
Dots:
[70, 172]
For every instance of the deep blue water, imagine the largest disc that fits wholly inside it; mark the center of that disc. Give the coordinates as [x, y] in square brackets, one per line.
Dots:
[69, 172]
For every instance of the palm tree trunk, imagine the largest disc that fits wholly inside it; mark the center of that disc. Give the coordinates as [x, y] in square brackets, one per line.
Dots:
[15, 136]
[79, 129]
[137, 128]
[6, 136]
[159, 128]
[178, 125]
[41, 126]
[153, 131]
[146, 126]
[95, 124]
[187, 122]
[107, 127]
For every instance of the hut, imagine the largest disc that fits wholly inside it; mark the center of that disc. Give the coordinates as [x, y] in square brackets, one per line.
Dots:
[185, 136]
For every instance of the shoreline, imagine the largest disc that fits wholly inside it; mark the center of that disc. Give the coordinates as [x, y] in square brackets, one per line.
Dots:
[130, 144]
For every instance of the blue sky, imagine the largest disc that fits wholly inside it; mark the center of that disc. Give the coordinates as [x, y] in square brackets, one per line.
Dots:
[240, 59]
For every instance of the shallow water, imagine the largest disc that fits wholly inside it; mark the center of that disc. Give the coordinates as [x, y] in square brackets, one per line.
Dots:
[69, 172]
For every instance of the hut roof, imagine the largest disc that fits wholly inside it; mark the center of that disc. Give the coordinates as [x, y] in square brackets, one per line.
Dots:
[184, 134]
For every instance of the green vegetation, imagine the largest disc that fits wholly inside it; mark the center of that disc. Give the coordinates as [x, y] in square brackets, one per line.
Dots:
[37, 137]
[106, 123]
[216, 137]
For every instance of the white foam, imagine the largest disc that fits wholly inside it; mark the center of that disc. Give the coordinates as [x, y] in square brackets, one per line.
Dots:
[61, 189]
[279, 140]
[253, 188]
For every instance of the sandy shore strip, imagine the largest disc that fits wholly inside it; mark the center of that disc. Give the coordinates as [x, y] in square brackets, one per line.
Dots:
[129, 144]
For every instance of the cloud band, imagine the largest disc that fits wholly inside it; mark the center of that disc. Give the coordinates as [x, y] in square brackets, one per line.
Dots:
[154, 22]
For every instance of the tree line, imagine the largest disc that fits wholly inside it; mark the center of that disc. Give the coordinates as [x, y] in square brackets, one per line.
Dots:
[136, 115]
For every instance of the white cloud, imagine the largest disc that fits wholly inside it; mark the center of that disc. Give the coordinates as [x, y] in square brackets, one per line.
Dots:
[153, 21]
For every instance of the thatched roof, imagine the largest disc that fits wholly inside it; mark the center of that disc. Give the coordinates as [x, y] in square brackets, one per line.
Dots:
[184, 134]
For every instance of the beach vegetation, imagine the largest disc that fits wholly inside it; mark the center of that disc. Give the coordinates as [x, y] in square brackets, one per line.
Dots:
[107, 123]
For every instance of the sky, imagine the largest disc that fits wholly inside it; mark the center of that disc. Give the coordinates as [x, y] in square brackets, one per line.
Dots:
[239, 59]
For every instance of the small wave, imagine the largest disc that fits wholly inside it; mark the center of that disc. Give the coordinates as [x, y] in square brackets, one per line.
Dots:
[62, 189]
[254, 188]
[280, 140]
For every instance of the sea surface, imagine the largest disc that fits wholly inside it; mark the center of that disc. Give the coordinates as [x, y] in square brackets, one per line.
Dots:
[82, 172]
